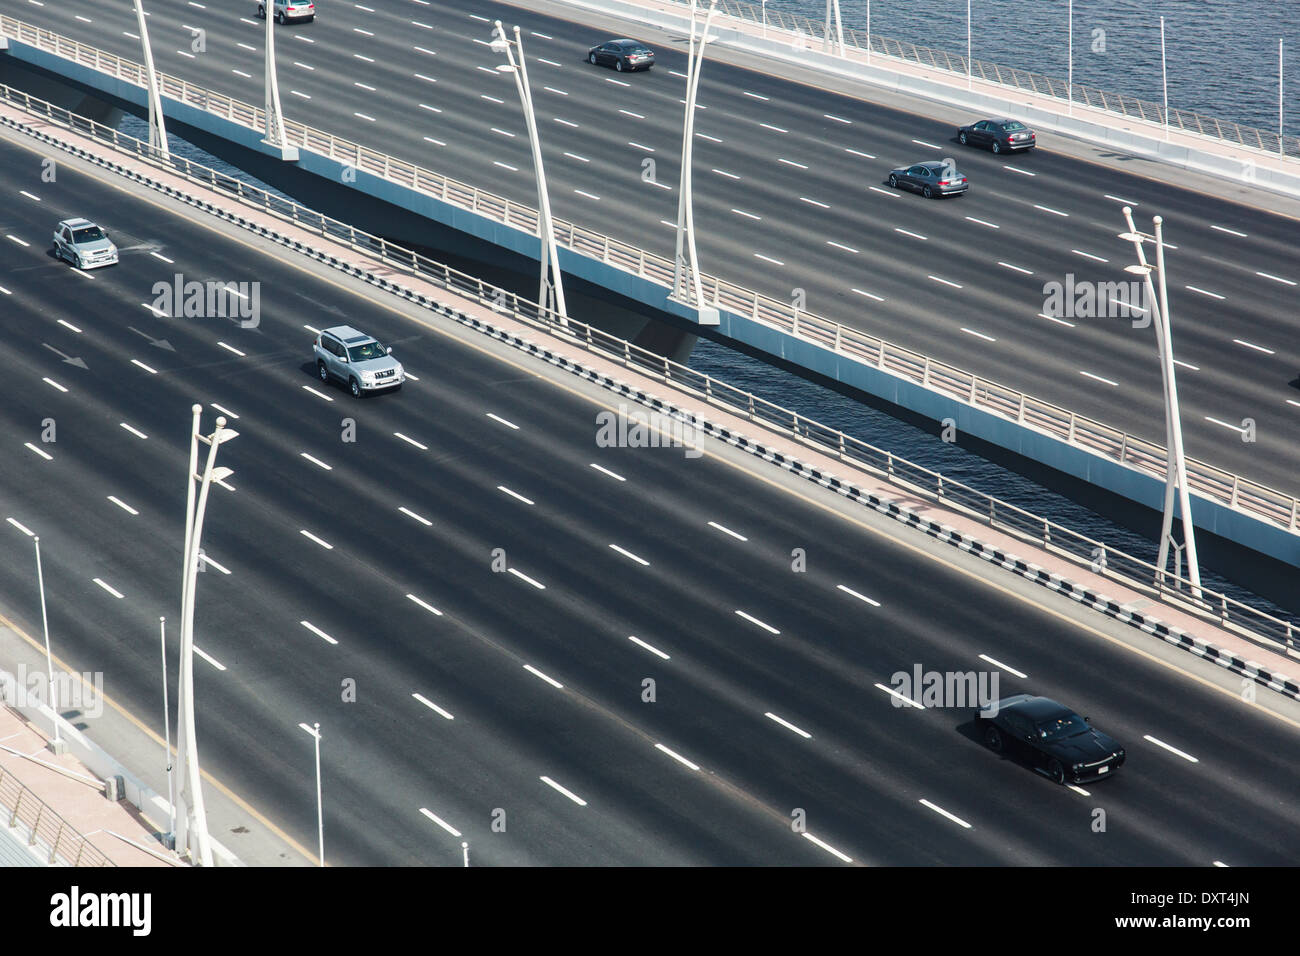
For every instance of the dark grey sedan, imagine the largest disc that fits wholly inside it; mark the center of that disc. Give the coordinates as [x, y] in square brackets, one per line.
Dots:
[999, 135]
[622, 55]
[930, 179]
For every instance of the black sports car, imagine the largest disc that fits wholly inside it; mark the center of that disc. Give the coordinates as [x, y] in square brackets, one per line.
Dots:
[999, 135]
[622, 55]
[1053, 739]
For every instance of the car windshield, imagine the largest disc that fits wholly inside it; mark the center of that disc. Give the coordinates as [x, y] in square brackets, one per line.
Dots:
[1058, 728]
[1012, 126]
[364, 353]
[88, 234]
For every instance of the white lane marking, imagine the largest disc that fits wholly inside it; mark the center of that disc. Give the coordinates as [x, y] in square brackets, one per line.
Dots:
[678, 757]
[315, 461]
[432, 706]
[648, 149]
[503, 132]
[1017, 169]
[547, 62]
[541, 36]
[1266, 275]
[581, 192]
[1099, 378]
[1212, 295]
[991, 225]
[678, 73]
[28, 445]
[978, 335]
[914, 235]
[942, 812]
[424, 604]
[21, 527]
[630, 113]
[420, 49]
[497, 162]
[323, 543]
[515, 494]
[1231, 232]
[420, 518]
[1239, 430]
[411, 441]
[1217, 863]
[158, 255]
[791, 162]
[53, 384]
[814, 202]
[523, 577]
[944, 281]
[109, 588]
[900, 696]
[1173, 750]
[24, 192]
[568, 793]
[431, 109]
[1009, 670]
[869, 295]
[747, 215]
[1044, 315]
[1251, 345]
[502, 421]
[860, 597]
[231, 348]
[711, 139]
[17, 240]
[1127, 202]
[628, 554]
[427, 79]
[757, 96]
[1054, 212]
[209, 658]
[318, 394]
[921, 142]
[550, 680]
[837, 119]
[723, 172]
[69, 325]
[363, 86]
[788, 726]
[435, 142]
[7, 292]
[123, 505]
[606, 471]
[1007, 265]
[775, 262]
[753, 620]
[827, 847]
[318, 632]
[304, 66]
[565, 122]
[1187, 365]
[857, 153]
[1078, 790]
[247, 76]
[837, 245]
[1292, 401]
[738, 537]
[653, 650]
[775, 129]
[1088, 255]
[134, 431]
[440, 821]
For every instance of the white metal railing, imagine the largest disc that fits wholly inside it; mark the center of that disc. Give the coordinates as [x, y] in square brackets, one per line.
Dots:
[1216, 484]
[793, 26]
[58, 840]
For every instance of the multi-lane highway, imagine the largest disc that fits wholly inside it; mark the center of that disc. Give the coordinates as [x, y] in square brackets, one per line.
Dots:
[791, 199]
[364, 568]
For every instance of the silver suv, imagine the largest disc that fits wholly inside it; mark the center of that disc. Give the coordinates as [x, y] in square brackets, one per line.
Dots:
[84, 244]
[286, 10]
[357, 359]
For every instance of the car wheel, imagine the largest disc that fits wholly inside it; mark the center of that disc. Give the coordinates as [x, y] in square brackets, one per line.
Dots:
[322, 371]
[993, 737]
[997, 147]
[962, 138]
[76, 261]
[618, 65]
[927, 192]
[1056, 771]
[591, 58]
[355, 387]
[893, 181]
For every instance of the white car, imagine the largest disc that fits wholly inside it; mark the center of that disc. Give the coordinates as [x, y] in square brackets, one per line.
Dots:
[286, 10]
[84, 244]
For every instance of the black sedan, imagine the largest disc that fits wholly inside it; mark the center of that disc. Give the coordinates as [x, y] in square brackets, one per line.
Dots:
[622, 55]
[1053, 739]
[999, 135]
[929, 179]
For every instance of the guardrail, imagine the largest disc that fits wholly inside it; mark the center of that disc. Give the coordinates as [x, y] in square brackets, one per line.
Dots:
[1250, 622]
[45, 828]
[1188, 121]
[1217, 484]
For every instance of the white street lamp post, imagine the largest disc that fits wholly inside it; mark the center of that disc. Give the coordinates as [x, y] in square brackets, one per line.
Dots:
[157, 128]
[868, 31]
[1164, 76]
[765, 19]
[314, 730]
[1175, 464]
[169, 838]
[193, 819]
[1069, 79]
[274, 117]
[968, 46]
[550, 294]
[1280, 129]
[56, 744]
[839, 26]
[708, 315]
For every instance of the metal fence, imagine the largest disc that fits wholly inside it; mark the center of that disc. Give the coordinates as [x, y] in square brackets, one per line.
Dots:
[57, 840]
[796, 28]
[1229, 489]
[1228, 612]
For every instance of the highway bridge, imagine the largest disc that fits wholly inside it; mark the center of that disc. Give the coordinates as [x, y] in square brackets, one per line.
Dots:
[791, 204]
[485, 696]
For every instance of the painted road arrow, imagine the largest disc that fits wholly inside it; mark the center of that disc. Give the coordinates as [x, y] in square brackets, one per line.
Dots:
[71, 361]
[160, 343]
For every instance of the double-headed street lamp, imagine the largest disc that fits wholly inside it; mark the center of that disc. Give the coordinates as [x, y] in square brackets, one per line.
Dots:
[550, 293]
[708, 315]
[1175, 466]
[275, 135]
[193, 832]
